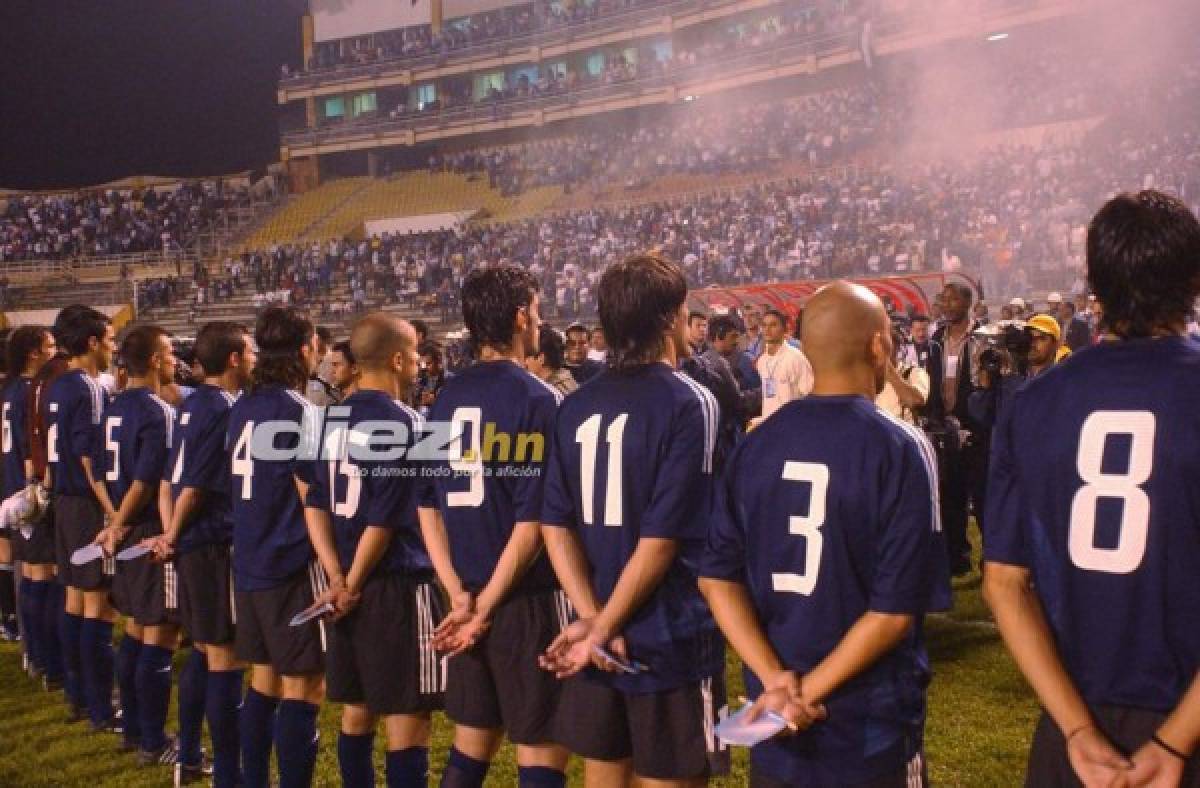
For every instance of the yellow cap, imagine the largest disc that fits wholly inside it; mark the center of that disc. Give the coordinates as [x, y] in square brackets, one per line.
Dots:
[1046, 325]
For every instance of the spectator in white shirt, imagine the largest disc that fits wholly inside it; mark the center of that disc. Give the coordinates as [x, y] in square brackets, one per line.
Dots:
[785, 371]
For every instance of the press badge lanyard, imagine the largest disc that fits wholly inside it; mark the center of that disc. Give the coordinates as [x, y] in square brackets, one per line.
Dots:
[769, 383]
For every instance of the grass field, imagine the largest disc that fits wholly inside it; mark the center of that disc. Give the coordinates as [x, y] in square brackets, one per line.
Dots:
[980, 718]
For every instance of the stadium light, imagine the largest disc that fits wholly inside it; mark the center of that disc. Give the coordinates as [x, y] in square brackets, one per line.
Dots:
[689, 97]
[997, 36]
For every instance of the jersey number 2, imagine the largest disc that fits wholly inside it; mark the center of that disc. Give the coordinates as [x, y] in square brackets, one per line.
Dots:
[807, 525]
[1126, 487]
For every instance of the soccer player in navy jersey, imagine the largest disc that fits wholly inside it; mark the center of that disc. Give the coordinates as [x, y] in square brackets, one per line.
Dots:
[198, 535]
[362, 510]
[272, 436]
[29, 347]
[824, 553]
[486, 502]
[1093, 537]
[75, 401]
[630, 474]
[136, 438]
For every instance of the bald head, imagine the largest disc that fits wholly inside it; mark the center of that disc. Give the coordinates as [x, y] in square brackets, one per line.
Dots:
[378, 338]
[846, 336]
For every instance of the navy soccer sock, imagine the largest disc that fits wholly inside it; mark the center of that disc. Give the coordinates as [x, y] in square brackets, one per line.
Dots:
[540, 777]
[29, 608]
[463, 771]
[69, 636]
[256, 726]
[296, 743]
[193, 684]
[153, 695]
[48, 627]
[354, 759]
[221, 707]
[96, 658]
[408, 768]
[127, 664]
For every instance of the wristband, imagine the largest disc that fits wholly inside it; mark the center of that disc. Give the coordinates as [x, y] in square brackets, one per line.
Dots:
[1168, 748]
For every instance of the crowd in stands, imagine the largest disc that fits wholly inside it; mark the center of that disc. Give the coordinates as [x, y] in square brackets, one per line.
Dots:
[109, 222]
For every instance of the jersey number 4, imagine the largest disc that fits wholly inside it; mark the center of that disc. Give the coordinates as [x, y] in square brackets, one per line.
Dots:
[807, 525]
[1126, 487]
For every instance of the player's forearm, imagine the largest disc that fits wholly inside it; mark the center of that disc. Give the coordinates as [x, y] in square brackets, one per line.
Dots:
[139, 496]
[320, 535]
[1181, 730]
[571, 568]
[872, 636]
[523, 546]
[371, 547]
[100, 491]
[437, 544]
[1023, 626]
[182, 510]
[907, 394]
[734, 613]
[642, 573]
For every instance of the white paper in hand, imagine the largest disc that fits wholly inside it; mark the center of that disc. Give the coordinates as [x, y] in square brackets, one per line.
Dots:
[316, 611]
[632, 667]
[130, 553]
[85, 555]
[735, 730]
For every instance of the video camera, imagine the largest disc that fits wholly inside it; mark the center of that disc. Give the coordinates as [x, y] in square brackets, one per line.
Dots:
[1008, 346]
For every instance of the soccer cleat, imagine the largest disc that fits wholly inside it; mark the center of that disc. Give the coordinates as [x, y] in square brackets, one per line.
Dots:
[111, 725]
[190, 774]
[51, 685]
[76, 713]
[165, 755]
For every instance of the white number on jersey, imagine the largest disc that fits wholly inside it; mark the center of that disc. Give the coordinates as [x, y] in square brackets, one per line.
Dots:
[111, 445]
[52, 436]
[807, 525]
[470, 462]
[5, 429]
[1127, 555]
[588, 437]
[177, 473]
[338, 444]
[241, 464]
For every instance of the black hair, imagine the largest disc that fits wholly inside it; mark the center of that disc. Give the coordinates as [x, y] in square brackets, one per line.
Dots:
[281, 333]
[694, 315]
[638, 299]
[422, 329]
[216, 342]
[325, 334]
[552, 347]
[964, 291]
[579, 327]
[720, 326]
[23, 343]
[491, 298]
[433, 350]
[344, 348]
[76, 324]
[773, 311]
[1143, 262]
[919, 318]
[139, 346]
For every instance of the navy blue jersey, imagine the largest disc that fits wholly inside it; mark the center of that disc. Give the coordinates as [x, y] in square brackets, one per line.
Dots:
[75, 403]
[361, 492]
[1094, 488]
[15, 434]
[827, 511]
[503, 416]
[136, 428]
[633, 458]
[199, 460]
[270, 538]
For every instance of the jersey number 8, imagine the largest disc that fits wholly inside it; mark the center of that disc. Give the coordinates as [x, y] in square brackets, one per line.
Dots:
[1126, 487]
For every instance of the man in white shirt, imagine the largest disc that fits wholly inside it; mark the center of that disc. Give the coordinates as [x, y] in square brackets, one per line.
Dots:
[785, 371]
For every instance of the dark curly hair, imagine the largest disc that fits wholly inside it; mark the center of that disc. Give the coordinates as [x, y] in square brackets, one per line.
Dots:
[1143, 262]
[281, 333]
[638, 299]
[491, 298]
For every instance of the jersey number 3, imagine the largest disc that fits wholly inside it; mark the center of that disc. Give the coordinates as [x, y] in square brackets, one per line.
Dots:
[808, 526]
[1126, 487]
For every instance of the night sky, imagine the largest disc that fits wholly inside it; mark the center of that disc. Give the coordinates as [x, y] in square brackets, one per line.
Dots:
[94, 90]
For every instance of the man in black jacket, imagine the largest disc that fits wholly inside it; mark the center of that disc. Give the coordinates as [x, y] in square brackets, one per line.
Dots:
[962, 445]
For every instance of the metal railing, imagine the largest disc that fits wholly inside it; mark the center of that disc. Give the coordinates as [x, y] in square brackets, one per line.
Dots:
[65, 266]
[546, 37]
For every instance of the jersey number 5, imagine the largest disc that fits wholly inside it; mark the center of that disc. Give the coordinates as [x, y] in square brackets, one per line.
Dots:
[1127, 555]
[808, 526]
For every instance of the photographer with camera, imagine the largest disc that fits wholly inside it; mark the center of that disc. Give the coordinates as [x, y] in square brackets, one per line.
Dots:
[954, 352]
[1015, 354]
